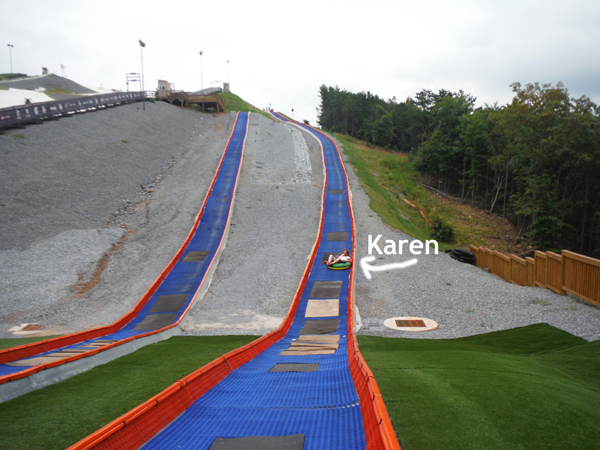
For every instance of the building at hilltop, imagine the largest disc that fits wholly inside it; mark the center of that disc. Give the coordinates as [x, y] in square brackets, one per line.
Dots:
[206, 99]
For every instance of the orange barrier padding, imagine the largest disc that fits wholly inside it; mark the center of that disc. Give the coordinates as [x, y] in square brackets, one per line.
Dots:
[240, 357]
[27, 350]
[379, 431]
[135, 428]
[262, 344]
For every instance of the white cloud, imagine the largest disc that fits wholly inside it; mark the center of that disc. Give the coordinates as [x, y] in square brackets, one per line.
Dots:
[282, 52]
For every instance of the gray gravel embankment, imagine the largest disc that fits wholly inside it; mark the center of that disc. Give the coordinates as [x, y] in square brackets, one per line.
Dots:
[276, 217]
[73, 189]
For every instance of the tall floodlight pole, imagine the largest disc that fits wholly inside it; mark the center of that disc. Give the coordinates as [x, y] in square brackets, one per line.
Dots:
[10, 47]
[228, 77]
[142, 45]
[201, 78]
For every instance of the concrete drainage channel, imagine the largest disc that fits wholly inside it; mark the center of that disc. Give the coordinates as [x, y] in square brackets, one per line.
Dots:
[415, 324]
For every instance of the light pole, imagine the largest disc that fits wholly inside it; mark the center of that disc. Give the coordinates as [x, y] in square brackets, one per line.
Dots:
[201, 79]
[10, 47]
[228, 77]
[142, 45]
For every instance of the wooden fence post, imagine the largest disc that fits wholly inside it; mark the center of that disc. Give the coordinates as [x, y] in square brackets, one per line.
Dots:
[540, 269]
[554, 280]
[530, 271]
[518, 270]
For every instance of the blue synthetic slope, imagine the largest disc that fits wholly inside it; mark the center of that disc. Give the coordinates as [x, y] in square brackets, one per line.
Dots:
[186, 278]
[252, 401]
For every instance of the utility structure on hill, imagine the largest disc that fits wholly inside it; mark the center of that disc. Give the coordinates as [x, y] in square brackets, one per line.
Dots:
[206, 99]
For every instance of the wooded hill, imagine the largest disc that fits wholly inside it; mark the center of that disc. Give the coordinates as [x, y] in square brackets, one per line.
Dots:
[535, 160]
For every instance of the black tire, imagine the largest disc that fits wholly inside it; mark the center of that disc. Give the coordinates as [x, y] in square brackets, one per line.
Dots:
[463, 253]
[463, 259]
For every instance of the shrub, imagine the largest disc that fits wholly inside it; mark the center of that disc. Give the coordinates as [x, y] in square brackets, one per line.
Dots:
[441, 231]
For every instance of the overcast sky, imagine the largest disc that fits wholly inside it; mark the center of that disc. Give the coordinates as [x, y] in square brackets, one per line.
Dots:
[281, 52]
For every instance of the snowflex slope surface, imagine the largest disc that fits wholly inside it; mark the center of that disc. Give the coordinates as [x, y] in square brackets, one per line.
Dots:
[322, 405]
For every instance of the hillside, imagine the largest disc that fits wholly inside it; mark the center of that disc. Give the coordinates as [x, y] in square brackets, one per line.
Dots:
[389, 178]
[94, 206]
[52, 84]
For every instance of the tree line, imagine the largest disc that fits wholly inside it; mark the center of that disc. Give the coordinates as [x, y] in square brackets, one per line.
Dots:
[535, 160]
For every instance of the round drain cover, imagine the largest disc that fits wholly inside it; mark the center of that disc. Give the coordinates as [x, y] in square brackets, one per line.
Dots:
[411, 324]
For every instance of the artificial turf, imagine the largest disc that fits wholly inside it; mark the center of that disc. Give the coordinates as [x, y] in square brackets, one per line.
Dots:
[15, 342]
[60, 415]
[535, 387]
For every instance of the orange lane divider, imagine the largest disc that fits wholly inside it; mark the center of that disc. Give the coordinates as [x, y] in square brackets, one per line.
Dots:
[136, 427]
[133, 429]
[379, 431]
[28, 350]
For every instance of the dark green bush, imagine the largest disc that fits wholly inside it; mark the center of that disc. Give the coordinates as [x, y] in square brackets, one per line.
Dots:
[441, 231]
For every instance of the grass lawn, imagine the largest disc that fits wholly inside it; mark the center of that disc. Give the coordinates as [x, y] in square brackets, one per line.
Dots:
[235, 103]
[59, 415]
[535, 387]
[15, 342]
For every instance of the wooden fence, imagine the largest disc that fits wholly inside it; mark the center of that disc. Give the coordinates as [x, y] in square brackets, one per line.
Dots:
[568, 272]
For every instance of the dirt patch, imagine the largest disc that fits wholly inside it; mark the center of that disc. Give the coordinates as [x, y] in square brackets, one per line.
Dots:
[485, 229]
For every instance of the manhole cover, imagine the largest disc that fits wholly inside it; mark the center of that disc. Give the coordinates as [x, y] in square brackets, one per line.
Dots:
[411, 324]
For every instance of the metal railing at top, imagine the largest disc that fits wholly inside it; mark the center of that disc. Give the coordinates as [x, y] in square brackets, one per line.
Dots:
[19, 115]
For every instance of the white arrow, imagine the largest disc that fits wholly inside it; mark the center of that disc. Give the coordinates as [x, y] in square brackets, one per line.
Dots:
[368, 268]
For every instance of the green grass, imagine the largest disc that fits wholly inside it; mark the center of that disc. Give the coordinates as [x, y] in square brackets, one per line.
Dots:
[57, 416]
[51, 90]
[387, 177]
[8, 343]
[535, 387]
[528, 388]
[540, 301]
[235, 103]
[10, 76]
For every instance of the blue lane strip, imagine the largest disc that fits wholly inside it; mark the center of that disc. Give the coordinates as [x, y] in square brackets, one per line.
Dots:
[251, 401]
[185, 278]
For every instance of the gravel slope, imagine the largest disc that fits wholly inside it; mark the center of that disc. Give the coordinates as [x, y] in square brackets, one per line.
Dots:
[276, 216]
[72, 191]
